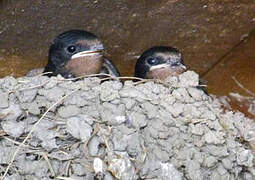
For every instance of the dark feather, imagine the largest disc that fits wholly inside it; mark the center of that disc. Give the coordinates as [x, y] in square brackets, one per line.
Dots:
[109, 68]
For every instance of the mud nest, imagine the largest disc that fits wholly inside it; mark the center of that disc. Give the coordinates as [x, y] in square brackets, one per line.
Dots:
[89, 129]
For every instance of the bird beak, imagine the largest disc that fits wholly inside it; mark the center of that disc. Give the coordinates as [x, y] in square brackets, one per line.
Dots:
[183, 66]
[177, 64]
[94, 51]
[167, 65]
[159, 66]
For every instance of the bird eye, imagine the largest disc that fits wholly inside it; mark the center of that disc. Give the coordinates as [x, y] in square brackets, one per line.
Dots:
[71, 49]
[152, 61]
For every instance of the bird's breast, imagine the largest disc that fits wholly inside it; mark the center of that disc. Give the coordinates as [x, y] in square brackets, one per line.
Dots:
[163, 73]
[85, 65]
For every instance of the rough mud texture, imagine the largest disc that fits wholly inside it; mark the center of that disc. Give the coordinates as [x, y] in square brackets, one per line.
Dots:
[113, 131]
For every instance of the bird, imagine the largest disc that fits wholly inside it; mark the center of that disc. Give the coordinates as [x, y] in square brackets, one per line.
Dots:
[159, 62]
[76, 53]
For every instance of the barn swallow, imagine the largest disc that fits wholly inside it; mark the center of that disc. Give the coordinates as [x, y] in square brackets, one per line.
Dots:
[159, 62]
[77, 53]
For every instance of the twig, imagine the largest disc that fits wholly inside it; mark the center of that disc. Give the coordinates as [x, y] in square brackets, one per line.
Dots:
[28, 88]
[41, 74]
[144, 81]
[17, 143]
[108, 76]
[85, 148]
[68, 167]
[32, 87]
[64, 178]
[53, 174]
[32, 130]
[86, 76]
[105, 141]
[128, 77]
[241, 86]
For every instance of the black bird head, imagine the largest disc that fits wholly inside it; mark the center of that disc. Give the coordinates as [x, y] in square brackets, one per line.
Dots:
[159, 62]
[75, 53]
